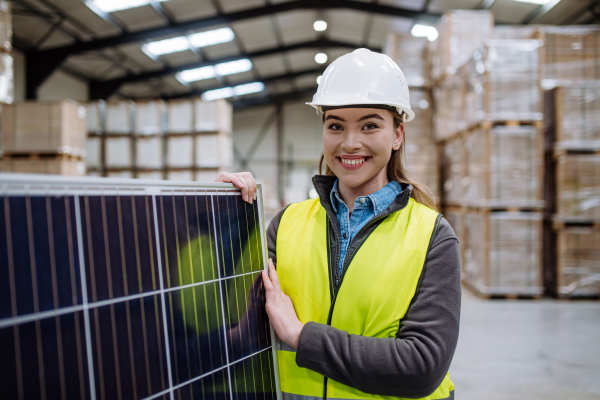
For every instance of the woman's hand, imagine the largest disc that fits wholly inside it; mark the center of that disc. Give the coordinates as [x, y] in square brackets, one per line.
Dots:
[280, 309]
[242, 180]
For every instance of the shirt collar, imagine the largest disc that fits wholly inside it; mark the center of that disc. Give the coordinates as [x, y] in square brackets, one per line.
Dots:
[381, 199]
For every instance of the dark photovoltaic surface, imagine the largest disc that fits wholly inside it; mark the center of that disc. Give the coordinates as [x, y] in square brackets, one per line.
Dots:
[133, 296]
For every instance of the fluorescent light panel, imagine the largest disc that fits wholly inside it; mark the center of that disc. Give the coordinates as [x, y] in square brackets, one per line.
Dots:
[320, 26]
[108, 6]
[321, 58]
[182, 43]
[427, 31]
[228, 68]
[534, 1]
[239, 90]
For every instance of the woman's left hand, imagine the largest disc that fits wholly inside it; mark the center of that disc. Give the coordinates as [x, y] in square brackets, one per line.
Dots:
[280, 309]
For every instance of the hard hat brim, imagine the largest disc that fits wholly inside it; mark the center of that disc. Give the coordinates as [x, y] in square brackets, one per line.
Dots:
[361, 100]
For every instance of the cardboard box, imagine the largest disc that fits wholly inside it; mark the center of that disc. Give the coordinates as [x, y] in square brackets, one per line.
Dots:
[5, 25]
[149, 152]
[7, 85]
[578, 262]
[118, 152]
[119, 117]
[180, 116]
[578, 187]
[212, 116]
[149, 117]
[180, 151]
[409, 53]
[503, 253]
[44, 165]
[44, 127]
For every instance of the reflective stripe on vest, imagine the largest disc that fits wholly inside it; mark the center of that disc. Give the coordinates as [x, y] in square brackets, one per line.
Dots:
[374, 295]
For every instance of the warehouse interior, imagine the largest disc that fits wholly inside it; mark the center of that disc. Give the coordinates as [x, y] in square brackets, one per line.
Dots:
[506, 135]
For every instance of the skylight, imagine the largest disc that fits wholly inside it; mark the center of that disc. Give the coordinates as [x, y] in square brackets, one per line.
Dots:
[108, 6]
[181, 43]
[239, 90]
[427, 31]
[228, 68]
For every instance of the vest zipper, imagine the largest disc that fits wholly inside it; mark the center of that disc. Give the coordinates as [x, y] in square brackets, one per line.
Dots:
[347, 261]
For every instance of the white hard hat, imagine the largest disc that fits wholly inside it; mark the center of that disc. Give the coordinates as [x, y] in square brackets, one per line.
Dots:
[363, 77]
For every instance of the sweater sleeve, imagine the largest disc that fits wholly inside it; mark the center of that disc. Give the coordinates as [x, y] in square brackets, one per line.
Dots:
[414, 363]
[272, 235]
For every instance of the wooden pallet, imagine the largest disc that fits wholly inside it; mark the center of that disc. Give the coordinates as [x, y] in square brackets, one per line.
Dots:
[41, 156]
[501, 295]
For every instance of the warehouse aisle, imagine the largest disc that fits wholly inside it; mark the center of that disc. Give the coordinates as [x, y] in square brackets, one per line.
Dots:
[527, 350]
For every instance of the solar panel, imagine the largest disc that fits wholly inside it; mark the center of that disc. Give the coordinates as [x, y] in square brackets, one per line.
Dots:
[122, 289]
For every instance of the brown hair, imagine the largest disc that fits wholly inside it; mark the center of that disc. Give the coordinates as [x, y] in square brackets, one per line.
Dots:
[396, 171]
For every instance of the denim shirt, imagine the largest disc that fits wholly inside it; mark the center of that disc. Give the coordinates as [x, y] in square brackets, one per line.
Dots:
[365, 208]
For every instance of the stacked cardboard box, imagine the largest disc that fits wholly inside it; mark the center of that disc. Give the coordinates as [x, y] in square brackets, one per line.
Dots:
[181, 140]
[573, 185]
[44, 137]
[6, 58]
[487, 124]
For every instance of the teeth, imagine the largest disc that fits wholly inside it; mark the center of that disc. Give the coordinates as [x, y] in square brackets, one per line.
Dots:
[353, 161]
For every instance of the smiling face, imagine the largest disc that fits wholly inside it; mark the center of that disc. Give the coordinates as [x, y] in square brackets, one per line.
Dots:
[358, 143]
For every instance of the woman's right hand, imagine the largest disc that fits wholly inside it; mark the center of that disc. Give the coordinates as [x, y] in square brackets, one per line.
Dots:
[242, 180]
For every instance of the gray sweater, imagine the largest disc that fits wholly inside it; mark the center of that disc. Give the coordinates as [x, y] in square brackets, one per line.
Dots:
[414, 363]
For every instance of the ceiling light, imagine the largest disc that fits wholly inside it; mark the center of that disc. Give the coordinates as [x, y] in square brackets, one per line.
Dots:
[319, 79]
[534, 1]
[182, 43]
[196, 74]
[320, 26]
[248, 88]
[108, 6]
[427, 31]
[234, 67]
[321, 58]
[210, 38]
[217, 94]
[239, 90]
[166, 46]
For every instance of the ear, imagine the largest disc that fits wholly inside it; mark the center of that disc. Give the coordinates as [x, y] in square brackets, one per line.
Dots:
[398, 136]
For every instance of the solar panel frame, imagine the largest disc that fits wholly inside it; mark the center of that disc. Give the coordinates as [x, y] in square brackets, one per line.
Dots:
[31, 187]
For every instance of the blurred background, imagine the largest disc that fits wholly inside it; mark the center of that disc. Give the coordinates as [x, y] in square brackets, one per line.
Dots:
[507, 136]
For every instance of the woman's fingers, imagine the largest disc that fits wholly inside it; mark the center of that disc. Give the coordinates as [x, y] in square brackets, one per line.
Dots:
[242, 180]
[274, 278]
[251, 185]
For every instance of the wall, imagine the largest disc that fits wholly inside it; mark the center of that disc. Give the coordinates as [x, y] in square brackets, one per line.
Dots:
[57, 87]
[302, 131]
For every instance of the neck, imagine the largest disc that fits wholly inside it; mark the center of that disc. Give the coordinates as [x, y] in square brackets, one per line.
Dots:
[349, 194]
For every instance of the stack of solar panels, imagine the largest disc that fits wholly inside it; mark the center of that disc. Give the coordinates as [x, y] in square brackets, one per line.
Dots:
[113, 289]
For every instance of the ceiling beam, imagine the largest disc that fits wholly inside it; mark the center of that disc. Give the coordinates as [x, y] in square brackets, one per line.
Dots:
[267, 80]
[203, 23]
[257, 101]
[104, 89]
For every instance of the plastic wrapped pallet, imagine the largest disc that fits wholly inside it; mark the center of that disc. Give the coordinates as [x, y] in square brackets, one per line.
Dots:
[149, 152]
[570, 54]
[214, 150]
[503, 253]
[180, 116]
[44, 165]
[578, 262]
[409, 53]
[454, 172]
[503, 82]
[93, 117]
[460, 33]
[456, 219]
[127, 174]
[44, 127]
[578, 186]
[5, 25]
[180, 151]
[212, 116]
[574, 112]
[118, 152]
[119, 117]
[153, 175]
[7, 90]
[449, 116]
[149, 117]
[505, 167]
[93, 158]
[516, 32]
[181, 175]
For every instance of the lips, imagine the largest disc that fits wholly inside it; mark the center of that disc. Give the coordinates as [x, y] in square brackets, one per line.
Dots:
[353, 162]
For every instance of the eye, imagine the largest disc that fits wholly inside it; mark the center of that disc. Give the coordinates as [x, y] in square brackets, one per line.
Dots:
[335, 127]
[370, 125]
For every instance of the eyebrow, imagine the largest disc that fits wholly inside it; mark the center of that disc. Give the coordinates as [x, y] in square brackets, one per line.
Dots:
[377, 116]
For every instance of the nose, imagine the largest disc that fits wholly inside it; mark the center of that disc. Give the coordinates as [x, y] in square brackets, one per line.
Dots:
[352, 141]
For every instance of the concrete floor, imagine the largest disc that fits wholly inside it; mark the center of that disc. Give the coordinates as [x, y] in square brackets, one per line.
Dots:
[529, 350]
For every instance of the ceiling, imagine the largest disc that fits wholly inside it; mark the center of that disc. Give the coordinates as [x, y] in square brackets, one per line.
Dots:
[276, 35]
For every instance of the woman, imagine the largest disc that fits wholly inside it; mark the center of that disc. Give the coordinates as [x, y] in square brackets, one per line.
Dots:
[366, 298]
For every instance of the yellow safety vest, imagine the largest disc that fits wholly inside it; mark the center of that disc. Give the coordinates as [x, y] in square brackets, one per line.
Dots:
[378, 286]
